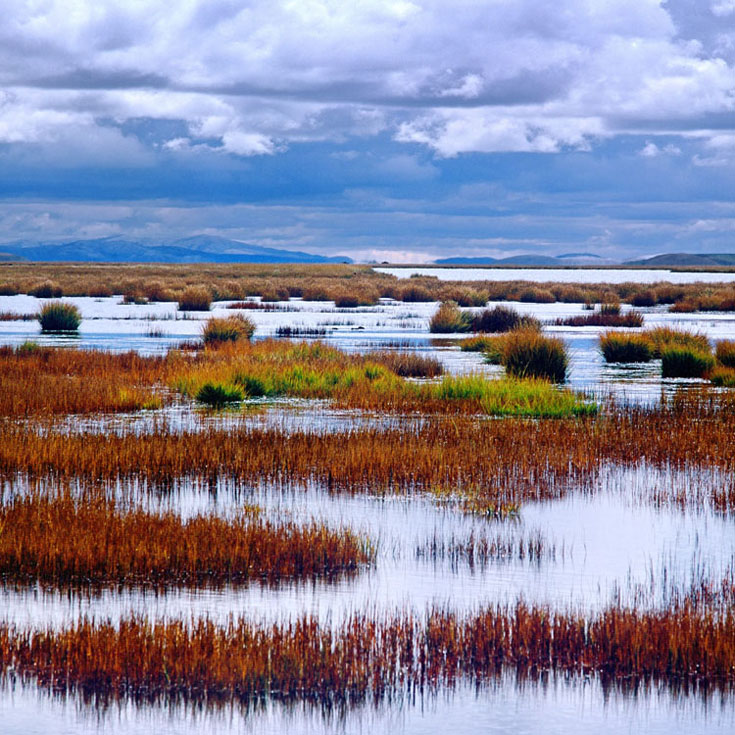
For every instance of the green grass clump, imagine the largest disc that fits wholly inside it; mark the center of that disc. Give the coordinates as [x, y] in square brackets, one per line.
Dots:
[664, 338]
[723, 377]
[681, 362]
[228, 329]
[480, 343]
[512, 397]
[57, 316]
[502, 319]
[528, 354]
[617, 347]
[450, 319]
[252, 386]
[217, 395]
[195, 298]
[725, 353]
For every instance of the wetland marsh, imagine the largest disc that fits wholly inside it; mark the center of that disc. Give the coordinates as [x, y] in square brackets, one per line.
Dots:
[379, 532]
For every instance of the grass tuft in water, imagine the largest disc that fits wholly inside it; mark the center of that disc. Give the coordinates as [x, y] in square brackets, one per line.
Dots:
[228, 329]
[58, 316]
[616, 347]
[680, 362]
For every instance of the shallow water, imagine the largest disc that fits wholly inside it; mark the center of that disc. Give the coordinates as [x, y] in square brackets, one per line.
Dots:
[554, 707]
[611, 542]
[607, 543]
[564, 275]
[110, 325]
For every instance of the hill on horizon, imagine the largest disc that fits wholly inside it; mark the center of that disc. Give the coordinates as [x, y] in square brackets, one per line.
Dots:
[686, 259]
[194, 249]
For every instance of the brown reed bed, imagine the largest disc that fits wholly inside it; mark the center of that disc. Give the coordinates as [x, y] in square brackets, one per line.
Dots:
[370, 658]
[63, 541]
[44, 380]
[493, 464]
[331, 282]
[14, 316]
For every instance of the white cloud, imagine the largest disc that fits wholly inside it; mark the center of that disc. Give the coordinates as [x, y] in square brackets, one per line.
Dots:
[521, 75]
[723, 8]
[651, 150]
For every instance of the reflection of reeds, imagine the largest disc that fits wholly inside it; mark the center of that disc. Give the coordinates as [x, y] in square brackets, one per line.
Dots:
[370, 656]
[480, 549]
[63, 541]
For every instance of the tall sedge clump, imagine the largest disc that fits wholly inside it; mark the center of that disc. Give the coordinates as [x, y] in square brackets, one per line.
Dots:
[725, 353]
[234, 328]
[57, 316]
[528, 354]
[616, 347]
[502, 319]
[450, 319]
[195, 298]
[682, 362]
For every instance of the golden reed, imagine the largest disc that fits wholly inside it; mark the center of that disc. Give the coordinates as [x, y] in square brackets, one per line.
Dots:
[63, 541]
[369, 656]
[502, 462]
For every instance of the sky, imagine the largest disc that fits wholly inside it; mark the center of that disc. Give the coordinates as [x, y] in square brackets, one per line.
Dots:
[400, 130]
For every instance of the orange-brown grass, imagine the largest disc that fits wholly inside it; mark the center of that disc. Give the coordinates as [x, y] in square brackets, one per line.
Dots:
[231, 281]
[42, 380]
[370, 657]
[407, 364]
[62, 541]
[52, 381]
[492, 463]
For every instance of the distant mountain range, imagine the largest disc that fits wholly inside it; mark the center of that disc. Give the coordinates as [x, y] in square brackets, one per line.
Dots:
[686, 259]
[560, 261]
[196, 249]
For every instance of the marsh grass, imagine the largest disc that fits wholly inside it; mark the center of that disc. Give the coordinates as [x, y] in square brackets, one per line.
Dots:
[369, 656]
[664, 338]
[449, 319]
[502, 319]
[325, 282]
[722, 377]
[57, 316]
[725, 353]
[481, 549]
[529, 354]
[617, 347]
[228, 329]
[218, 396]
[407, 364]
[63, 541]
[605, 317]
[195, 298]
[680, 362]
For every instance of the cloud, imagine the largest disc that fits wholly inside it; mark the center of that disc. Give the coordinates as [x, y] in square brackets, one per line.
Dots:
[257, 76]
